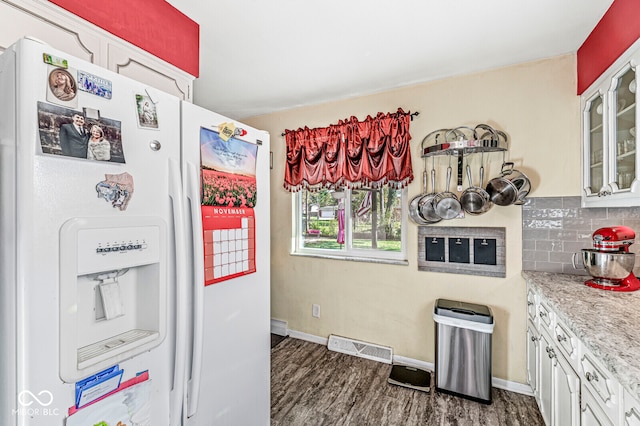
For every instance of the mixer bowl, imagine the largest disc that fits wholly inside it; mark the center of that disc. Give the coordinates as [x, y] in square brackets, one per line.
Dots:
[612, 266]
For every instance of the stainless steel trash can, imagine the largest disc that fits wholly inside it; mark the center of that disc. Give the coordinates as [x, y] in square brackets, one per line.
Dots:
[463, 349]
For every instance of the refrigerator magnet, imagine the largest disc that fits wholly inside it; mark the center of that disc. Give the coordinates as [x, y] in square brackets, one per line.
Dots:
[147, 112]
[229, 130]
[81, 134]
[62, 88]
[95, 85]
[55, 61]
[116, 189]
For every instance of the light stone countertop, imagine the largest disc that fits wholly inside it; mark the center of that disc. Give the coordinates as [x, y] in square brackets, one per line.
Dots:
[607, 322]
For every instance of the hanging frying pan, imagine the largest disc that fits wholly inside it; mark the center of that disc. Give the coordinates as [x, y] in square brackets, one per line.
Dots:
[414, 208]
[446, 203]
[427, 208]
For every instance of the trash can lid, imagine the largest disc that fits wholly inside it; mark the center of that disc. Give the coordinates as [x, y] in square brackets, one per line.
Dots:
[463, 310]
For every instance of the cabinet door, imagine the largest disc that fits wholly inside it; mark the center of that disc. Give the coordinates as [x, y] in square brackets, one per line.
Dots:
[531, 305]
[604, 389]
[532, 357]
[566, 393]
[609, 146]
[590, 412]
[631, 410]
[594, 145]
[623, 119]
[544, 377]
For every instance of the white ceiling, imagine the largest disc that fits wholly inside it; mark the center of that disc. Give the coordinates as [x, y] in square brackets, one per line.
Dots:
[259, 56]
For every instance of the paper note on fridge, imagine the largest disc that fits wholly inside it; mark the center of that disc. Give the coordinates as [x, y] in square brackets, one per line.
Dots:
[98, 385]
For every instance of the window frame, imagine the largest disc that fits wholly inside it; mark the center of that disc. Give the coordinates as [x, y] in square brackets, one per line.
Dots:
[348, 253]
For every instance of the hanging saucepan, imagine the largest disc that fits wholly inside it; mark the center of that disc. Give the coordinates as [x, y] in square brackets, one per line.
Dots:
[446, 203]
[511, 187]
[414, 208]
[426, 206]
[475, 200]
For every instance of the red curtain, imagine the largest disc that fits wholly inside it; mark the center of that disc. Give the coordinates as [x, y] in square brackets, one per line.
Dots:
[351, 154]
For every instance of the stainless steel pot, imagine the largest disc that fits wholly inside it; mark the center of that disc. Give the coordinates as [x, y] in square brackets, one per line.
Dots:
[446, 203]
[510, 187]
[475, 200]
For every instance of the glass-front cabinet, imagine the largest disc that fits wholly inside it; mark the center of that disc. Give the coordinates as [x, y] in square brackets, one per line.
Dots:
[609, 117]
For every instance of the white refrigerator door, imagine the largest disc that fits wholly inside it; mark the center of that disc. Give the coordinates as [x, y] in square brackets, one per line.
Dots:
[229, 375]
[40, 192]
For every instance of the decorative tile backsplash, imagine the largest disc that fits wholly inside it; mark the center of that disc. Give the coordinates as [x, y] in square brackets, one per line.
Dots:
[553, 228]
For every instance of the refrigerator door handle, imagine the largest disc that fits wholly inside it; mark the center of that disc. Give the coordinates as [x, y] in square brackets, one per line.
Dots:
[193, 197]
[182, 331]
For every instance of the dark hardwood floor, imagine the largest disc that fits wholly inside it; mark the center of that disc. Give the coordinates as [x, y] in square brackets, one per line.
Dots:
[311, 385]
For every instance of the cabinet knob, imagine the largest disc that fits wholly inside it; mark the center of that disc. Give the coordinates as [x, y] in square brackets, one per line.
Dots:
[529, 303]
[551, 353]
[591, 377]
[543, 314]
[604, 193]
[534, 338]
[561, 338]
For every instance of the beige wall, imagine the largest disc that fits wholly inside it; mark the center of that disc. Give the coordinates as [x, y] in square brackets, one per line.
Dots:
[536, 105]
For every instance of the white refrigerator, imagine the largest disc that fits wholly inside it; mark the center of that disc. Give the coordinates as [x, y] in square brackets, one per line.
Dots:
[104, 312]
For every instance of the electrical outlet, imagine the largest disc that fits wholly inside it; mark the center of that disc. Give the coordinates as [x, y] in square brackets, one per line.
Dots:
[315, 311]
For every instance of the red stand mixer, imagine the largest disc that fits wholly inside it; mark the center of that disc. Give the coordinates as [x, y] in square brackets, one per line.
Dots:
[609, 262]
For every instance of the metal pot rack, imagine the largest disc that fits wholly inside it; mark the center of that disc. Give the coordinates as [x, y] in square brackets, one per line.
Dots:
[464, 140]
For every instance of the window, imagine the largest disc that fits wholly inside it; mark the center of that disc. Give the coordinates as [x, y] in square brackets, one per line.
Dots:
[360, 224]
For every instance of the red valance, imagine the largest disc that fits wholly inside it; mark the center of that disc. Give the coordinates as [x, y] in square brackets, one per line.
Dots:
[351, 154]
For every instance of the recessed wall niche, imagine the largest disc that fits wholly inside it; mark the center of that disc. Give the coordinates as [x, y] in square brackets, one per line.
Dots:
[462, 250]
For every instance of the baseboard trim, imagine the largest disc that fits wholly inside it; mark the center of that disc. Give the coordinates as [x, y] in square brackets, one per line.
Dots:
[507, 385]
[516, 387]
[309, 337]
[279, 327]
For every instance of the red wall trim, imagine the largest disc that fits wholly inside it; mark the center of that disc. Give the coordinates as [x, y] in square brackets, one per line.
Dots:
[617, 30]
[152, 25]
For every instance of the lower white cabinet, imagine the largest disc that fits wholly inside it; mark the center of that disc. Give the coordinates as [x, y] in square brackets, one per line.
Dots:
[533, 353]
[566, 393]
[602, 387]
[558, 385]
[571, 386]
[591, 414]
[631, 410]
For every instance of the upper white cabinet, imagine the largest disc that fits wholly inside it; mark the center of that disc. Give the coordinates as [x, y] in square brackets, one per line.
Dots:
[66, 32]
[609, 145]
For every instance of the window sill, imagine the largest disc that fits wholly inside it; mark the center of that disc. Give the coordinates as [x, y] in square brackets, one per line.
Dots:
[354, 258]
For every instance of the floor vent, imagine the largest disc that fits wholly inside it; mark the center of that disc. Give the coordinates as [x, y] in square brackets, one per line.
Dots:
[361, 349]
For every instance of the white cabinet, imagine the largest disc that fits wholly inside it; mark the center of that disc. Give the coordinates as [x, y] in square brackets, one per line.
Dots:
[551, 375]
[631, 410]
[533, 352]
[590, 412]
[545, 383]
[603, 388]
[566, 393]
[66, 32]
[610, 162]
[571, 385]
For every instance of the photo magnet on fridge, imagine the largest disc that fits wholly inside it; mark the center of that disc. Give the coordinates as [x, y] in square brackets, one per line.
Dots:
[147, 112]
[62, 88]
[79, 134]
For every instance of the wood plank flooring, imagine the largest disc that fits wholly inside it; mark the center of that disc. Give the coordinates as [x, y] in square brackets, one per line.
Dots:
[311, 385]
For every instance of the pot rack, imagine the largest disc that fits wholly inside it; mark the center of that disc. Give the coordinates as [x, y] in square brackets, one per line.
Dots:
[464, 140]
